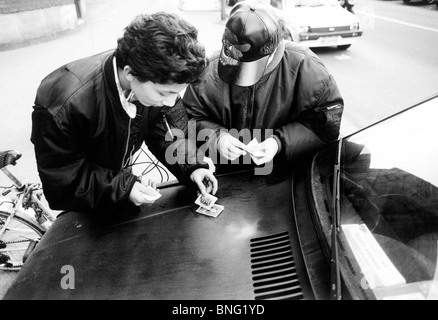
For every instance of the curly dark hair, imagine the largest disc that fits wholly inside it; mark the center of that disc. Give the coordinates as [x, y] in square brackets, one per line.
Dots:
[162, 48]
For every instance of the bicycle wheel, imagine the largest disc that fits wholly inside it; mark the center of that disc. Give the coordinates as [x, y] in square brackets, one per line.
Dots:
[20, 234]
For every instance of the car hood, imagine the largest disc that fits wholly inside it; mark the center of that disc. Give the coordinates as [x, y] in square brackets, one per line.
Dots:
[168, 251]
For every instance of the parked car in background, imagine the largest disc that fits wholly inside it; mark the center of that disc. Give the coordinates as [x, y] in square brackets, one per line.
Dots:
[424, 1]
[347, 4]
[357, 220]
[319, 23]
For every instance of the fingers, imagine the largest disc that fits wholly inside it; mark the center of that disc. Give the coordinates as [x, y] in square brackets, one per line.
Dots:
[230, 147]
[262, 160]
[201, 185]
[152, 183]
[212, 184]
[239, 145]
[233, 152]
[237, 148]
[138, 194]
[205, 180]
[265, 151]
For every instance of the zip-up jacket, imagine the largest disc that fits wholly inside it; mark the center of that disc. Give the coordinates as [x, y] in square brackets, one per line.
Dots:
[297, 98]
[83, 137]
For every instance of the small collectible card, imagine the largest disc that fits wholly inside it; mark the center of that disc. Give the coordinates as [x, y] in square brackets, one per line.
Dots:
[152, 194]
[206, 202]
[254, 152]
[215, 210]
[252, 144]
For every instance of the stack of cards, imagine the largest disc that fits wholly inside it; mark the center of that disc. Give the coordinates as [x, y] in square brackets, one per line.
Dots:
[256, 154]
[207, 205]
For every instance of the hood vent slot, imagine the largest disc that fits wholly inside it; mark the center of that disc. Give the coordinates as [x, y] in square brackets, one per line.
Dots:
[273, 268]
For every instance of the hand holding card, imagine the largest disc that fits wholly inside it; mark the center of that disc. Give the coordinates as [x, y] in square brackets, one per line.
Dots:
[255, 151]
[151, 194]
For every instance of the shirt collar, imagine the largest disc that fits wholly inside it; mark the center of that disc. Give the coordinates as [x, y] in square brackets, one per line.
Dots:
[130, 108]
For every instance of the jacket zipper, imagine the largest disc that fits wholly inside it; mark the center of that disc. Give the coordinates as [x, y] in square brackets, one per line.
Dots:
[168, 127]
[250, 107]
[127, 144]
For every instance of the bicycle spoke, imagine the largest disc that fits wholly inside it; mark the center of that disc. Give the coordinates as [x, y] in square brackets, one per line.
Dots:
[20, 235]
[20, 231]
[15, 249]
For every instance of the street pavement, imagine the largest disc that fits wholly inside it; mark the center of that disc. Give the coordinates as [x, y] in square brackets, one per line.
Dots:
[22, 70]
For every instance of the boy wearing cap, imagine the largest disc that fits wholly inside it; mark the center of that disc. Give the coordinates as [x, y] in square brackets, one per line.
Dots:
[259, 81]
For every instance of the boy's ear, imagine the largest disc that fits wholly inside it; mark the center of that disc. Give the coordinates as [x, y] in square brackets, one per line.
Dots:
[127, 71]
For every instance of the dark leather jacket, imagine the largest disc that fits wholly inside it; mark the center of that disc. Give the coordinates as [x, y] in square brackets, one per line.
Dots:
[83, 137]
[296, 98]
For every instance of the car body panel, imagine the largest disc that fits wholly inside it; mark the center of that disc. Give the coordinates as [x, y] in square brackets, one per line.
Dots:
[169, 251]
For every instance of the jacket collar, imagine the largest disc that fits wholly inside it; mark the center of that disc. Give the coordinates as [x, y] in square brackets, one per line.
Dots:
[129, 107]
[110, 81]
[278, 55]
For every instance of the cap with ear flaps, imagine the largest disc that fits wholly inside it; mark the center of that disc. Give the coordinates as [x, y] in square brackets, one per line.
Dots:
[251, 34]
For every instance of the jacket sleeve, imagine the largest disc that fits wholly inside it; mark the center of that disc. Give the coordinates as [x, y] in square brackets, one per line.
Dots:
[70, 180]
[171, 144]
[320, 108]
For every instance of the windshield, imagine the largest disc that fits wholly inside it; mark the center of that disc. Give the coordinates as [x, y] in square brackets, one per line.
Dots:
[389, 203]
[285, 4]
[388, 200]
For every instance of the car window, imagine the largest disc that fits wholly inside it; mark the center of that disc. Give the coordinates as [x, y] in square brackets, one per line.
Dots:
[389, 203]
